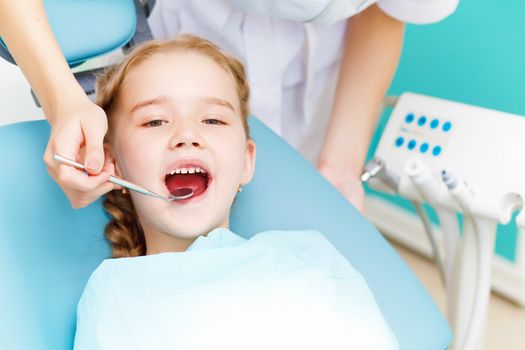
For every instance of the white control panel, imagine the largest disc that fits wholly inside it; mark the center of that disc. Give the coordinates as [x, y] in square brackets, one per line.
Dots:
[484, 148]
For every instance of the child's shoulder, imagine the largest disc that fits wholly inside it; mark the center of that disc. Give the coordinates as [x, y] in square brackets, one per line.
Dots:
[111, 276]
[99, 279]
[103, 275]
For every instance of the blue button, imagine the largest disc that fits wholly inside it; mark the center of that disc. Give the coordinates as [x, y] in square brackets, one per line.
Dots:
[422, 120]
[412, 144]
[399, 141]
[409, 118]
[434, 123]
[423, 148]
[447, 126]
[436, 150]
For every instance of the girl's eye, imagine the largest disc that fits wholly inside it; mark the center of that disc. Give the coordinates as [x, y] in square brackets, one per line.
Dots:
[155, 123]
[214, 121]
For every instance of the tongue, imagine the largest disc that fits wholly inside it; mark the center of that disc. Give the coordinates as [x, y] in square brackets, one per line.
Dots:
[196, 182]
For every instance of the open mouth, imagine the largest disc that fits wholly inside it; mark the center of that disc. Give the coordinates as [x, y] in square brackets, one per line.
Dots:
[190, 176]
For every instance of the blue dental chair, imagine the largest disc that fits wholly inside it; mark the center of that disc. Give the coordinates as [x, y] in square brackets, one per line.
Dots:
[48, 250]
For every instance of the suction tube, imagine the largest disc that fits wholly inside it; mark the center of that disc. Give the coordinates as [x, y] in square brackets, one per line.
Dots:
[431, 189]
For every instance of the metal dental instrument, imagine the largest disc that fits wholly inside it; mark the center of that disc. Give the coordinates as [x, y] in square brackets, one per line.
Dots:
[181, 193]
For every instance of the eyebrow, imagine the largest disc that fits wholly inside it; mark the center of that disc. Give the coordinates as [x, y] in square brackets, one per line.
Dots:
[161, 99]
[149, 102]
[219, 102]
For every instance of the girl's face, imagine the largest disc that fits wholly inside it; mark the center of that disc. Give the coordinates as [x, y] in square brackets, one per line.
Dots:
[181, 110]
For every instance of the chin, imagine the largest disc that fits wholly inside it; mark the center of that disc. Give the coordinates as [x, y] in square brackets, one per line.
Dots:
[191, 230]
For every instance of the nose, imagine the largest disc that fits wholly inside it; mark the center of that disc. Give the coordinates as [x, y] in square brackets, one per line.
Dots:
[186, 134]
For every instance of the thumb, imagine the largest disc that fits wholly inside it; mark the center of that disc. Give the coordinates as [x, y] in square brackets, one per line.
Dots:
[94, 140]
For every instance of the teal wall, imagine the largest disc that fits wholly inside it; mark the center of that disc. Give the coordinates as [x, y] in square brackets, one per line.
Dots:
[475, 56]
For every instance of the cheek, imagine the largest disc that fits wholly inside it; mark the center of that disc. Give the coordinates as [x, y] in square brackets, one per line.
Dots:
[136, 160]
[231, 156]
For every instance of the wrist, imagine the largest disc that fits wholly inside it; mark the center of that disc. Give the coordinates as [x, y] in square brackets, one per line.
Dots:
[339, 171]
[347, 164]
[62, 104]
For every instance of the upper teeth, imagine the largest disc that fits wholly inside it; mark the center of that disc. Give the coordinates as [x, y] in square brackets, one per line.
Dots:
[187, 171]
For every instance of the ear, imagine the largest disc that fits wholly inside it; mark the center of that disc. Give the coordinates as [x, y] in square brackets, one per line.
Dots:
[249, 162]
[111, 164]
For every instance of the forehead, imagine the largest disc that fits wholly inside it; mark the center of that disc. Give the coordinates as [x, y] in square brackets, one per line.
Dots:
[179, 75]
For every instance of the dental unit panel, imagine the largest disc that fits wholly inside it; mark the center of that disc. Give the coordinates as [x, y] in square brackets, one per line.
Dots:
[459, 159]
[475, 143]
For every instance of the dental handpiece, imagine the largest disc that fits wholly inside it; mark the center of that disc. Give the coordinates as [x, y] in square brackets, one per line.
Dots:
[182, 193]
[376, 168]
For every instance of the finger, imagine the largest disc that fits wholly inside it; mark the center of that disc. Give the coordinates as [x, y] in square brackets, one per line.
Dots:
[67, 142]
[110, 168]
[80, 199]
[94, 138]
[67, 147]
[48, 157]
[78, 180]
[103, 189]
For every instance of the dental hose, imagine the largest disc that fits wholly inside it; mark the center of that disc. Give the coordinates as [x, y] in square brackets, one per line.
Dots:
[376, 168]
[484, 232]
[430, 188]
[485, 239]
[438, 260]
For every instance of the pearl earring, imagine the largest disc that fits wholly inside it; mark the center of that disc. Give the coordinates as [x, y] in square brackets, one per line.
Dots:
[124, 191]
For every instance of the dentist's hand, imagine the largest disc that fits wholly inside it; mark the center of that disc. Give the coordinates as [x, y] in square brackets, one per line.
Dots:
[78, 126]
[77, 132]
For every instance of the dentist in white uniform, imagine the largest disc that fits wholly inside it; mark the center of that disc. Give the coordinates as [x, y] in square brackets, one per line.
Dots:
[318, 88]
[318, 70]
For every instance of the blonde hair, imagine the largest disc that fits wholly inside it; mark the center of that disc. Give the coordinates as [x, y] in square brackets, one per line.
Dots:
[124, 232]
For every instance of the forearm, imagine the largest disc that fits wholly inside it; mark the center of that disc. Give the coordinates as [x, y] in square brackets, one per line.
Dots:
[26, 31]
[372, 49]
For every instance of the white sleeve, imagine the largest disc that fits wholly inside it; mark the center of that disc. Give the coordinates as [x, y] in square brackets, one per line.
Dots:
[418, 11]
[100, 321]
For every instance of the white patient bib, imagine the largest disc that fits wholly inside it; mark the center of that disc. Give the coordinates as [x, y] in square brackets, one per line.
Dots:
[278, 290]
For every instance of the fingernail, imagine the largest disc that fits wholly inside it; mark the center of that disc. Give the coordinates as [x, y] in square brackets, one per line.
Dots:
[92, 165]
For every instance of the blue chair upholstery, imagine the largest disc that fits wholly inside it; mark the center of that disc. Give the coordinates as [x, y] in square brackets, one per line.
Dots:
[86, 29]
[48, 250]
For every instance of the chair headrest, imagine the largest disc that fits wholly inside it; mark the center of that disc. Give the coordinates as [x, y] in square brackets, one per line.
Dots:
[86, 29]
[48, 250]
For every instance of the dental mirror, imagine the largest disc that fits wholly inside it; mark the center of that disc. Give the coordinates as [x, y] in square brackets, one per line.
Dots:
[179, 194]
[182, 193]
